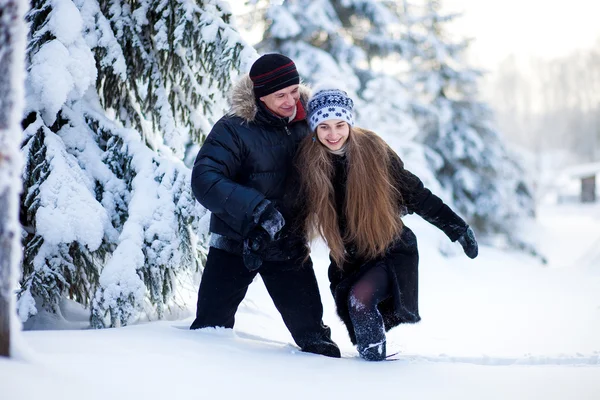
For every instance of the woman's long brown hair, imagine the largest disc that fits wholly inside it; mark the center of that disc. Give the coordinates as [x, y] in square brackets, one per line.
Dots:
[371, 201]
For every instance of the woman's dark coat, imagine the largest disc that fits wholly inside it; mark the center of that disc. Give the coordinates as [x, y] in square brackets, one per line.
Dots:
[401, 257]
[247, 158]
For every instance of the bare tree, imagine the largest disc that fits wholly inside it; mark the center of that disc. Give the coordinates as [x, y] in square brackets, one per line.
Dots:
[12, 54]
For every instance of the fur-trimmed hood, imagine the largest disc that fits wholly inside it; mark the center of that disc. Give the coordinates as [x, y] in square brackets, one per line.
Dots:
[243, 104]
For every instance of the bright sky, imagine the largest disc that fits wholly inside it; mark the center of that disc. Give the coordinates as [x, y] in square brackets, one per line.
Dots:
[546, 28]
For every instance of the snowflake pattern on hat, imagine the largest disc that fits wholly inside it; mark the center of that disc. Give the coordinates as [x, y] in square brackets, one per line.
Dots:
[329, 104]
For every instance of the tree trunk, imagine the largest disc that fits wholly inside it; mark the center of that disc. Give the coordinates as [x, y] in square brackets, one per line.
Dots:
[5, 303]
[12, 54]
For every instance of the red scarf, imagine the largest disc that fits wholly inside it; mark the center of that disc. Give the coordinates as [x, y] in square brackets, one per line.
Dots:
[300, 112]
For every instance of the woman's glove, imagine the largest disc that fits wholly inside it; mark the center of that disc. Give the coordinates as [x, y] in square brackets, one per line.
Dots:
[468, 243]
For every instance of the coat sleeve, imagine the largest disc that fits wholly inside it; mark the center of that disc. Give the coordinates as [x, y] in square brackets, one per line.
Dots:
[416, 198]
[218, 162]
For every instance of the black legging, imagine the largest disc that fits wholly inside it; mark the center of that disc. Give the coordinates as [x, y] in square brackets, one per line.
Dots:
[372, 288]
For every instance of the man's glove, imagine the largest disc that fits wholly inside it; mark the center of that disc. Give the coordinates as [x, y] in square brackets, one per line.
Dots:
[469, 244]
[271, 221]
[269, 225]
[252, 259]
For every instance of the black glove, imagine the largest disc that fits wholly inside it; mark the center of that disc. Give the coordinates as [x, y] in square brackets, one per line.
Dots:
[469, 244]
[269, 225]
[271, 221]
[252, 259]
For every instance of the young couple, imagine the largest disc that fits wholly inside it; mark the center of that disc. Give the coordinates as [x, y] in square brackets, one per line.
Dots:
[285, 166]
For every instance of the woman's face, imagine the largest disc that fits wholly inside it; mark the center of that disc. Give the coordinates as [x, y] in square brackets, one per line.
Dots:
[333, 133]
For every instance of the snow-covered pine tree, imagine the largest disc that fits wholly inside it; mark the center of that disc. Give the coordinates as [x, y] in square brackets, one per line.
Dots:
[181, 54]
[336, 39]
[12, 56]
[307, 31]
[115, 91]
[488, 186]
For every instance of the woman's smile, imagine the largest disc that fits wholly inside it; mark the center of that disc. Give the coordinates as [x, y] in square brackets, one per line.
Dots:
[333, 133]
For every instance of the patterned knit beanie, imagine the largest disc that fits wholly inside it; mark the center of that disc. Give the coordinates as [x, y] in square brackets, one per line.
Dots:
[329, 102]
[273, 72]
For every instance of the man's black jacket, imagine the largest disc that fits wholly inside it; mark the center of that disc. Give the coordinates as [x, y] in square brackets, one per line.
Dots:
[247, 158]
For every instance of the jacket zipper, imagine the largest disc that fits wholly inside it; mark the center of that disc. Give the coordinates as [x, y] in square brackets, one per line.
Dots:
[287, 130]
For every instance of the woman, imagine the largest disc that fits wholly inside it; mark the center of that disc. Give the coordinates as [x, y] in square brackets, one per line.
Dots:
[357, 190]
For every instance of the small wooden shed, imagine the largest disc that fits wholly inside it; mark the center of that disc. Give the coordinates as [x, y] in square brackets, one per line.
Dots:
[587, 174]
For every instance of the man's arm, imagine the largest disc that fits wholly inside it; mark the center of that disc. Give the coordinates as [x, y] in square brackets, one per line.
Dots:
[217, 164]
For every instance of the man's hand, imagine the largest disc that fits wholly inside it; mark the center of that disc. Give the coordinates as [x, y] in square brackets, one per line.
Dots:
[271, 221]
[469, 244]
[266, 230]
[254, 246]
[252, 260]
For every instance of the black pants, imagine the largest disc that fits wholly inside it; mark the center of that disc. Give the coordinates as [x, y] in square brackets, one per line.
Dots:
[292, 286]
[371, 289]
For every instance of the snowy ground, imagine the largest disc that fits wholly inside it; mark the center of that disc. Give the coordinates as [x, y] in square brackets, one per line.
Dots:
[498, 327]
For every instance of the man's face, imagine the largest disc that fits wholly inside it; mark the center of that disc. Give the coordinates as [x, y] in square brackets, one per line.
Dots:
[283, 102]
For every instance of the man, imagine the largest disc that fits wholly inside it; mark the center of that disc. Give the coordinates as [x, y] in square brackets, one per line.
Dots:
[241, 175]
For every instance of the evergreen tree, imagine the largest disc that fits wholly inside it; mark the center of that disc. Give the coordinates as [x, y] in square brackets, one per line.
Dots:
[12, 57]
[335, 38]
[346, 41]
[116, 90]
[180, 53]
[486, 183]
[307, 31]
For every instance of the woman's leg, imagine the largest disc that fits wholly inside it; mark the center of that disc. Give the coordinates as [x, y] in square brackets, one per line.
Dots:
[372, 288]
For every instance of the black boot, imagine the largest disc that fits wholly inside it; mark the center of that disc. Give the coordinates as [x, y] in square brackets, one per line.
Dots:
[324, 348]
[373, 352]
[369, 329]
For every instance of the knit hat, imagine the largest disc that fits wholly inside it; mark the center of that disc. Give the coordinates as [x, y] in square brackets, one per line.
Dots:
[273, 72]
[329, 102]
